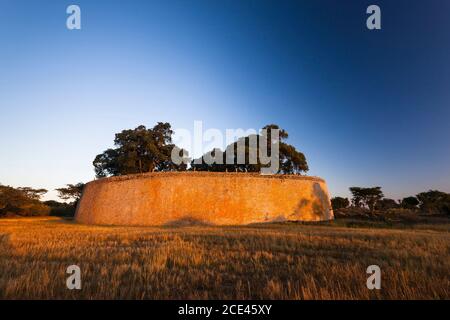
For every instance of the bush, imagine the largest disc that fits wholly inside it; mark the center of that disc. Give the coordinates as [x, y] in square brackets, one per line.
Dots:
[38, 209]
[386, 204]
[409, 203]
[401, 214]
[339, 203]
[352, 212]
[61, 209]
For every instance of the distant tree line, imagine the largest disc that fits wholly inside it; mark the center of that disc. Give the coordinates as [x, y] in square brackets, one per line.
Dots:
[26, 201]
[372, 199]
[22, 201]
[143, 150]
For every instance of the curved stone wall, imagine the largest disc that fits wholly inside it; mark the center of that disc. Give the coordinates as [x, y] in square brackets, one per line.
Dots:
[216, 198]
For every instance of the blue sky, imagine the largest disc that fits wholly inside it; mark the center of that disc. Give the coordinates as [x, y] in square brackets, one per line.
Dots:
[366, 107]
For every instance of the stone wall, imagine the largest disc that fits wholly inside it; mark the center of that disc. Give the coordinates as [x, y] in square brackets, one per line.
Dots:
[207, 197]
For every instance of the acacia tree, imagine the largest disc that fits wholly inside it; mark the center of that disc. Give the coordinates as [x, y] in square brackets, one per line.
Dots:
[71, 192]
[23, 201]
[35, 194]
[139, 150]
[434, 201]
[366, 196]
[291, 161]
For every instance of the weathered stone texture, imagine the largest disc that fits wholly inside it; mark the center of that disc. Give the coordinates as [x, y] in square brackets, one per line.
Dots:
[215, 198]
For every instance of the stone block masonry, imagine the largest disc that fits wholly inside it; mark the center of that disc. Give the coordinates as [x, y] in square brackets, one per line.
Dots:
[171, 198]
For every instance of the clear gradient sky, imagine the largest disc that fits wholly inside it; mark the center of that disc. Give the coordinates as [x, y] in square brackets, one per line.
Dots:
[366, 107]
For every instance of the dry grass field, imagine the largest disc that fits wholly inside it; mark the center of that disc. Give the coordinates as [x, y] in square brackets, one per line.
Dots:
[274, 261]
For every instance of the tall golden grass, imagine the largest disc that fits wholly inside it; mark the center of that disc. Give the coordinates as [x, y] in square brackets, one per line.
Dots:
[278, 261]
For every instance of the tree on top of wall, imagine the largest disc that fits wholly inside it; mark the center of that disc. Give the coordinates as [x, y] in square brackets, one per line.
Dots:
[139, 150]
[291, 161]
[142, 150]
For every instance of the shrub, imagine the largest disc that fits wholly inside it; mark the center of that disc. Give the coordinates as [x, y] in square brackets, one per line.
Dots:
[409, 203]
[339, 203]
[386, 204]
[61, 209]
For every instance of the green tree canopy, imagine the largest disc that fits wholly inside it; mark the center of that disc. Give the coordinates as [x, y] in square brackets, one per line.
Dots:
[139, 150]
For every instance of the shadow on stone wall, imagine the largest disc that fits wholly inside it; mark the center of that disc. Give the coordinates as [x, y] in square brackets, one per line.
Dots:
[301, 206]
[124, 201]
[320, 206]
[187, 222]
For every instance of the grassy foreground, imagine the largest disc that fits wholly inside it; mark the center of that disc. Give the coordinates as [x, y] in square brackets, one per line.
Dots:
[274, 261]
